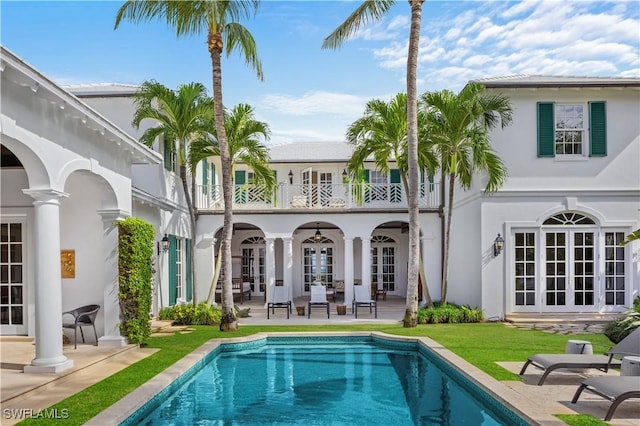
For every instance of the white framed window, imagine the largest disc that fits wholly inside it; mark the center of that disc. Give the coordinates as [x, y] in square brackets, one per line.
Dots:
[569, 129]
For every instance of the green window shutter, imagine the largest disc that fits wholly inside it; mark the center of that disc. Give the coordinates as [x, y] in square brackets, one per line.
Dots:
[240, 193]
[214, 188]
[598, 129]
[396, 191]
[367, 192]
[167, 154]
[189, 277]
[173, 279]
[205, 177]
[546, 130]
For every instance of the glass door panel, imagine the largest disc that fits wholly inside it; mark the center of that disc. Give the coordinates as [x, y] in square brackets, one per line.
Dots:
[12, 289]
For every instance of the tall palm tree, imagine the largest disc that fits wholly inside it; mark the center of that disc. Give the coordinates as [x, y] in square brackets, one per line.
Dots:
[181, 117]
[218, 19]
[375, 10]
[244, 134]
[382, 134]
[459, 129]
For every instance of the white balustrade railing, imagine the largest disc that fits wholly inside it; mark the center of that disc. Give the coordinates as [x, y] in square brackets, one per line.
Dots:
[316, 196]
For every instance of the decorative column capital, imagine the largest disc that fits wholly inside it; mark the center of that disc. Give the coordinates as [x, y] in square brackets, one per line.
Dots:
[112, 215]
[45, 195]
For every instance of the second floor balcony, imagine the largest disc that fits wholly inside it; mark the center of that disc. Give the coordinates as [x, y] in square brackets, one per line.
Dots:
[347, 196]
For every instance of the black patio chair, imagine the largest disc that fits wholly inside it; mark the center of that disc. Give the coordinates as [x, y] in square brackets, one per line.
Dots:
[82, 316]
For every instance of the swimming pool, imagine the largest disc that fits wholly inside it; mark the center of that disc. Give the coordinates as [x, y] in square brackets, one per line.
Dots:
[321, 380]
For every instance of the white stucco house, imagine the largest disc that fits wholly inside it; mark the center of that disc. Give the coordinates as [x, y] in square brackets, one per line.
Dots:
[71, 166]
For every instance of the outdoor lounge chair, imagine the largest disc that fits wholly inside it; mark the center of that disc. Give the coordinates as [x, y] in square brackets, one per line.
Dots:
[279, 299]
[614, 388]
[82, 316]
[318, 298]
[630, 345]
[362, 297]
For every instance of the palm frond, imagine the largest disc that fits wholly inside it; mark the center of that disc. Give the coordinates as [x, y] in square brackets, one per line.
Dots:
[369, 10]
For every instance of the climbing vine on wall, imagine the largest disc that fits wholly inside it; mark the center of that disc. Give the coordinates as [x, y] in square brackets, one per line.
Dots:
[135, 273]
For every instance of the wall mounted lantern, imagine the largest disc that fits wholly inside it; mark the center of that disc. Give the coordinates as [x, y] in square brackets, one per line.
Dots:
[344, 175]
[290, 177]
[317, 236]
[164, 244]
[498, 245]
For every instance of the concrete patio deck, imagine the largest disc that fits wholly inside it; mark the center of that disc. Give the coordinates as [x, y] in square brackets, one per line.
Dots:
[24, 394]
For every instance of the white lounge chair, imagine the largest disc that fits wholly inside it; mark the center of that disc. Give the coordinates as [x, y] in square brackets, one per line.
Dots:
[616, 389]
[362, 297]
[630, 345]
[279, 299]
[318, 298]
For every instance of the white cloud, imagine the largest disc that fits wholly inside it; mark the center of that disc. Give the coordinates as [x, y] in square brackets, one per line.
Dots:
[314, 102]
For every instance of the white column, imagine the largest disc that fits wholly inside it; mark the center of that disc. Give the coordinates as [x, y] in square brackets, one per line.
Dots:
[111, 302]
[366, 261]
[48, 284]
[348, 270]
[287, 267]
[270, 267]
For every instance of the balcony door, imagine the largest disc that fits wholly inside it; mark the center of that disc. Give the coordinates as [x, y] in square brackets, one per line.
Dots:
[317, 187]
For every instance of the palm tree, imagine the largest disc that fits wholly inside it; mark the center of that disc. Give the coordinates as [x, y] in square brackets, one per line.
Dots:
[382, 134]
[244, 133]
[181, 117]
[635, 235]
[218, 19]
[458, 128]
[375, 10]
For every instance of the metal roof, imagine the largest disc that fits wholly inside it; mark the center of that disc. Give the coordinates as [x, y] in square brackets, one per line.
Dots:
[514, 81]
[310, 152]
[102, 90]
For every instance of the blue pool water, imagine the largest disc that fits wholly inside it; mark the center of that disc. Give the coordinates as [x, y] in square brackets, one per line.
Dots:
[323, 381]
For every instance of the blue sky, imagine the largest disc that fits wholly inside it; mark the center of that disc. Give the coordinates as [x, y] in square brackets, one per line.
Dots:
[314, 94]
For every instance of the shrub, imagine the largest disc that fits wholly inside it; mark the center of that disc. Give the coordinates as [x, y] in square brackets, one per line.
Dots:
[619, 329]
[449, 313]
[206, 315]
[187, 314]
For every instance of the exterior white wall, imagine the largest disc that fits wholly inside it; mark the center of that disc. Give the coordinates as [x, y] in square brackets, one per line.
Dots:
[618, 170]
[605, 188]
[81, 230]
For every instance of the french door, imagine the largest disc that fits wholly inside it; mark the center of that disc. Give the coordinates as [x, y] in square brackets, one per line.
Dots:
[383, 263]
[317, 187]
[317, 265]
[253, 267]
[570, 270]
[12, 286]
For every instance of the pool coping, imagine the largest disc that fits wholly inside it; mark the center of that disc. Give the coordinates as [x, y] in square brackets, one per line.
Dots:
[525, 408]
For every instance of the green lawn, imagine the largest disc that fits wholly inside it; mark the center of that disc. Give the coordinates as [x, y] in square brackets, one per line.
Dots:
[480, 344]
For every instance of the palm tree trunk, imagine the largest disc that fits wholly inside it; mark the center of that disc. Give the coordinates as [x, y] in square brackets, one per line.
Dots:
[447, 242]
[423, 277]
[411, 311]
[194, 221]
[229, 321]
[214, 281]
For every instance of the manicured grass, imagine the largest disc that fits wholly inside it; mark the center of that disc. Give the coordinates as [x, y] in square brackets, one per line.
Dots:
[581, 420]
[480, 344]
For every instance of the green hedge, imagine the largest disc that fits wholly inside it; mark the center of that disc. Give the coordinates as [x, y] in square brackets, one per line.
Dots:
[449, 313]
[135, 265]
[187, 314]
